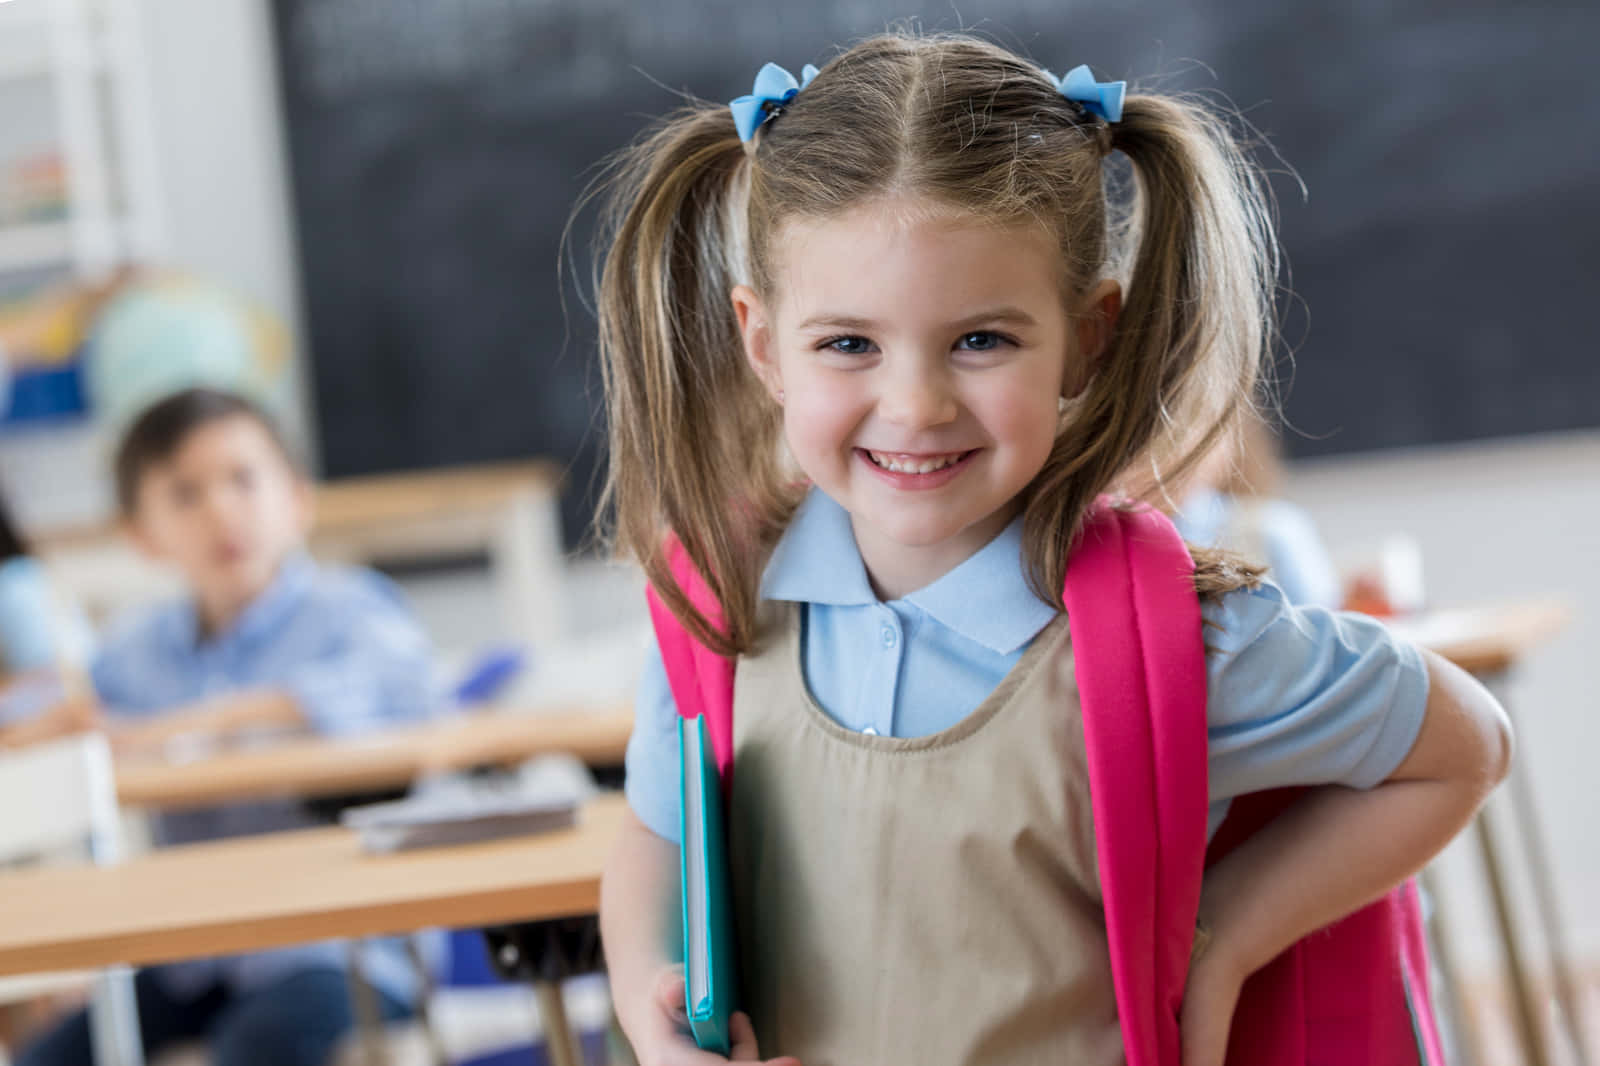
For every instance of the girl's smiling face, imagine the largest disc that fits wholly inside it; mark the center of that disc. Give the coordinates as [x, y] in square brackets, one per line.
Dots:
[920, 358]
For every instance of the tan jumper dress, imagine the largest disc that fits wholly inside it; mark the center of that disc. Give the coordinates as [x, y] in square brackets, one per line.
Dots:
[922, 900]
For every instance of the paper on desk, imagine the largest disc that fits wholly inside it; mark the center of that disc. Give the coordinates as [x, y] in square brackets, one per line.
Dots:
[461, 810]
[408, 824]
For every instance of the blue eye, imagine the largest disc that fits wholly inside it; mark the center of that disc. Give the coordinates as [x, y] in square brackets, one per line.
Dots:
[850, 345]
[981, 341]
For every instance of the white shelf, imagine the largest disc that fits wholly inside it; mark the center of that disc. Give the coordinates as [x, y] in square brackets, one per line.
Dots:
[38, 244]
[88, 54]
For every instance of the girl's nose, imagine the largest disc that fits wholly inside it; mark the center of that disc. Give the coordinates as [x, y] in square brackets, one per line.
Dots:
[917, 397]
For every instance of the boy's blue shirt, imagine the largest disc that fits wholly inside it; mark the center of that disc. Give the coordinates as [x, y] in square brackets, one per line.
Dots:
[1295, 696]
[343, 643]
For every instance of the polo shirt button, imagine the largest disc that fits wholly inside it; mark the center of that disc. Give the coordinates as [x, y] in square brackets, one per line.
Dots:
[869, 732]
[890, 637]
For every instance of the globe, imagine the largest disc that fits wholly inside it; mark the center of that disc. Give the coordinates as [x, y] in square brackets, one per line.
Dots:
[163, 333]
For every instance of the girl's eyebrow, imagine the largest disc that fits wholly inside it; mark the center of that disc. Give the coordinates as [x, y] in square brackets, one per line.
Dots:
[827, 321]
[1012, 315]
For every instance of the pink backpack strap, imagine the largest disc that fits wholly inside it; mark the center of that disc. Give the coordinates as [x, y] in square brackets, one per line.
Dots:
[1138, 652]
[701, 680]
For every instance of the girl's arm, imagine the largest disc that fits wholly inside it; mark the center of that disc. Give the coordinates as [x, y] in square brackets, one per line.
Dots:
[638, 908]
[1338, 849]
[639, 925]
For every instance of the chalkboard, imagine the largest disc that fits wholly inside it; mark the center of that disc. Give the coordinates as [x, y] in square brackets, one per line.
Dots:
[1443, 256]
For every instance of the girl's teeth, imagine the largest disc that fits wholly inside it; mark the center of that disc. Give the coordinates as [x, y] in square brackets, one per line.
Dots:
[914, 466]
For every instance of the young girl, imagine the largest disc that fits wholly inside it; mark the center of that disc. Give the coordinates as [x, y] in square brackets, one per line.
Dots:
[872, 349]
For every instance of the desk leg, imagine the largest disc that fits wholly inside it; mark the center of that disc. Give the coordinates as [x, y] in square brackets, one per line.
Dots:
[558, 1042]
[114, 1019]
[364, 1005]
[1542, 874]
[436, 1049]
[1465, 1040]
[1524, 998]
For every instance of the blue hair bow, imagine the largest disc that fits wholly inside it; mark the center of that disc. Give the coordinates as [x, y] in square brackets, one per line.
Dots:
[1104, 98]
[774, 87]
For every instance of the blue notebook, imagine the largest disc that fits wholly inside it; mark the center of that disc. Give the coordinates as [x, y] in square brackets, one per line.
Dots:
[708, 949]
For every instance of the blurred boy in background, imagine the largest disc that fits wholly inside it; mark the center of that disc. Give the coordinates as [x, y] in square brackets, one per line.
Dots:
[266, 640]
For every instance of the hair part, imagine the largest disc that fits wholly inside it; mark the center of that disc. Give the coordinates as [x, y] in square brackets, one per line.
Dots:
[161, 429]
[960, 124]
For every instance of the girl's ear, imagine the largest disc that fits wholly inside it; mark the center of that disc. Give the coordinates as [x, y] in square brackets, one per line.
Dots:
[1094, 325]
[756, 332]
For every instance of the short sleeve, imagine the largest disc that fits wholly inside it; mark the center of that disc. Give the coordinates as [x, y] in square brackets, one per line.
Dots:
[129, 671]
[652, 758]
[1305, 696]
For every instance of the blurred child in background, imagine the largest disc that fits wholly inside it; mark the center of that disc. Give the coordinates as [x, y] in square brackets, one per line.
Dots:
[1233, 505]
[44, 647]
[266, 640]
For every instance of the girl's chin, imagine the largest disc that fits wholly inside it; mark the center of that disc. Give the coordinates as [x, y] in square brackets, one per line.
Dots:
[933, 523]
[912, 533]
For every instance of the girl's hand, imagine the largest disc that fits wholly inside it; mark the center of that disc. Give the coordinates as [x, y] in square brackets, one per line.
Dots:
[1209, 998]
[665, 1040]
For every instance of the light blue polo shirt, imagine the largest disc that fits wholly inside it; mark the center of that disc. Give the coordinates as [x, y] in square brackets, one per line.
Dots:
[1295, 695]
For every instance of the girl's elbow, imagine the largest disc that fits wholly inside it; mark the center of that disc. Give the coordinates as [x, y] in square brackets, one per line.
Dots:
[1493, 743]
[1500, 745]
[1466, 737]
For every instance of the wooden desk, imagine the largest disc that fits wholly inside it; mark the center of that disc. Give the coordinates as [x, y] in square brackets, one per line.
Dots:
[509, 511]
[1485, 640]
[368, 502]
[318, 766]
[253, 893]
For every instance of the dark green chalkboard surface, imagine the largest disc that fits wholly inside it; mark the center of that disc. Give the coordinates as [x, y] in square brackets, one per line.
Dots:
[1444, 262]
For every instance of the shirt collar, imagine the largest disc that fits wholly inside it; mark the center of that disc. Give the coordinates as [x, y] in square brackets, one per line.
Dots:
[816, 560]
[263, 615]
[986, 599]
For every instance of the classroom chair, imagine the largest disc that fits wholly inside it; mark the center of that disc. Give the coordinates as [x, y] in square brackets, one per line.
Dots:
[476, 1017]
[66, 793]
